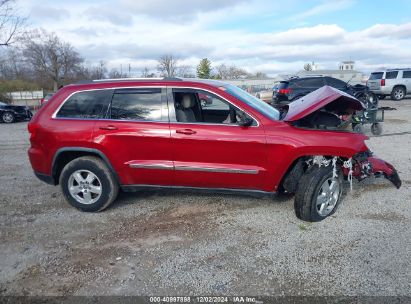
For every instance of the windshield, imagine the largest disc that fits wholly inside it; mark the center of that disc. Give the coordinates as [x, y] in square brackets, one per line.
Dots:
[253, 102]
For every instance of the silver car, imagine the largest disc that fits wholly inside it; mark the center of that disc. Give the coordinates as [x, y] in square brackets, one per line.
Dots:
[392, 82]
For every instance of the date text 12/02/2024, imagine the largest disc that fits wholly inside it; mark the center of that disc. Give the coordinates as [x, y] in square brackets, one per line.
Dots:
[201, 299]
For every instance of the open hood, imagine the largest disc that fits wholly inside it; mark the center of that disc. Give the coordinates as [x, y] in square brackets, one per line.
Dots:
[329, 98]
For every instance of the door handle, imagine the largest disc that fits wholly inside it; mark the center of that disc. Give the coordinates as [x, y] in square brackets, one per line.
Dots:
[109, 127]
[186, 131]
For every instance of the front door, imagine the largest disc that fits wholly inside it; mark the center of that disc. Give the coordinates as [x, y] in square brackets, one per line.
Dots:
[209, 149]
[135, 136]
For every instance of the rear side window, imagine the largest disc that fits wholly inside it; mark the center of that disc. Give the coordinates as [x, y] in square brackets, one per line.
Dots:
[311, 83]
[406, 74]
[137, 104]
[391, 75]
[89, 104]
[376, 75]
[336, 83]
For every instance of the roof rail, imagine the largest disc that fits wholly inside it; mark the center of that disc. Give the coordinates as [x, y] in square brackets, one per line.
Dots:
[138, 78]
[400, 69]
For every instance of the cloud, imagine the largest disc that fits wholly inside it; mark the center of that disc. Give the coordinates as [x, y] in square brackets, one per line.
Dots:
[48, 12]
[323, 8]
[402, 31]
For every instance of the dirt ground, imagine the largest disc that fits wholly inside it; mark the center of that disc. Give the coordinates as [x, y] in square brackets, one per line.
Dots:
[174, 243]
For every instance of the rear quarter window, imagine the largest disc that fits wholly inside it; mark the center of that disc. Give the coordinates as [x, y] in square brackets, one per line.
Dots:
[88, 104]
[376, 75]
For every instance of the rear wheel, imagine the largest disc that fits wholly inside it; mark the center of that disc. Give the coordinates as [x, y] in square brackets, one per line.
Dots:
[376, 128]
[398, 93]
[318, 194]
[358, 128]
[8, 117]
[88, 184]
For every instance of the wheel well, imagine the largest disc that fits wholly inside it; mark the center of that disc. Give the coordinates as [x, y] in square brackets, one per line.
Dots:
[402, 86]
[63, 158]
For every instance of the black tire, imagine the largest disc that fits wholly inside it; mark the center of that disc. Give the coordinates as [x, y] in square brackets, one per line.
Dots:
[358, 128]
[376, 128]
[309, 187]
[398, 93]
[105, 180]
[381, 97]
[8, 117]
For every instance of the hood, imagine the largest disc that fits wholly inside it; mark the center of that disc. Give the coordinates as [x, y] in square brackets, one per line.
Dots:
[327, 97]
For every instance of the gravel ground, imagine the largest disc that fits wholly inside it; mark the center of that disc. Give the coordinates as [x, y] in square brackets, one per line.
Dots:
[174, 243]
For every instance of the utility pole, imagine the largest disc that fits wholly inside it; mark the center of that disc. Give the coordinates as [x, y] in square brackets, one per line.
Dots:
[129, 70]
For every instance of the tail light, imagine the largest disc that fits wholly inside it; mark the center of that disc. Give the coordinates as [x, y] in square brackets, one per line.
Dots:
[382, 82]
[32, 127]
[284, 91]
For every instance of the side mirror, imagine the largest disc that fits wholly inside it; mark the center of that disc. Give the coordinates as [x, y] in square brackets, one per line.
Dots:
[243, 120]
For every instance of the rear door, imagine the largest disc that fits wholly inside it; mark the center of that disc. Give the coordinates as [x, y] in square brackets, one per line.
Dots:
[135, 136]
[215, 152]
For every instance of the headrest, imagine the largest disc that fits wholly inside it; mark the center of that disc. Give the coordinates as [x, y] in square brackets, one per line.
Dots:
[187, 101]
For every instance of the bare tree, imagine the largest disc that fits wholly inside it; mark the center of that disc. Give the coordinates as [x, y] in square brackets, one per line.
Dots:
[185, 71]
[146, 73]
[114, 73]
[308, 67]
[221, 71]
[167, 65]
[47, 54]
[236, 73]
[11, 25]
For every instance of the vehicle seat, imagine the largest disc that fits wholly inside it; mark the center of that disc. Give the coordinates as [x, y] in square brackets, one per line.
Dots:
[184, 109]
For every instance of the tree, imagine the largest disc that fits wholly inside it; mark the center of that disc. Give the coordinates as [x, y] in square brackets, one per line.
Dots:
[260, 75]
[11, 25]
[308, 67]
[185, 71]
[167, 65]
[146, 73]
[222, 72]
[47, 54]
[204, 69]
[114, 74]
[236, 73]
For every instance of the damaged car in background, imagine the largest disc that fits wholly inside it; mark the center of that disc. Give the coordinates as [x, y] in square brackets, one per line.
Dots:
[98, 137]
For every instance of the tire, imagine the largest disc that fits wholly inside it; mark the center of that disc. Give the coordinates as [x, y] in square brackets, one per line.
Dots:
[94, 194]
[381, 97]
[398, 93]
[358, 128]
[8, 117]
[312, 203]
[376, 128]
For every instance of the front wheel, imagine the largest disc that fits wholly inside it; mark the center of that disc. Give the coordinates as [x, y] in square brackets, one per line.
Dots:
[88, 184]
[8, 117]
[318, 194]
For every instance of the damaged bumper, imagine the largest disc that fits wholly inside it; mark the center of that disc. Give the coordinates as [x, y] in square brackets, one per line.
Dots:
[379, 166]
[367, 165]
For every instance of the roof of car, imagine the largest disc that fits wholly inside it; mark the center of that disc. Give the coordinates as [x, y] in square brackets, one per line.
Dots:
[161, 79]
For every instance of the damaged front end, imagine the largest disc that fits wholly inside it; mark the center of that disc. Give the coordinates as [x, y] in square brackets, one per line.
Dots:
[364, 165]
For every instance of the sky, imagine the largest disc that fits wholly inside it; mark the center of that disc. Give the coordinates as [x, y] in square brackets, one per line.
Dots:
[269, 36]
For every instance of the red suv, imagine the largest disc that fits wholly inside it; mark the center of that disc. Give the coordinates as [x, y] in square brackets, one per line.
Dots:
[98, 137]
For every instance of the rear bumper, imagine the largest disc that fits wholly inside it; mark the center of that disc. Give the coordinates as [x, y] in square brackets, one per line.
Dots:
[382, 91]
[45, 178]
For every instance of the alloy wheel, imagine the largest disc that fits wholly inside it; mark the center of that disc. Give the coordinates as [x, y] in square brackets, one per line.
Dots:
[8, 117]
[328, 196]
[84, 186]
